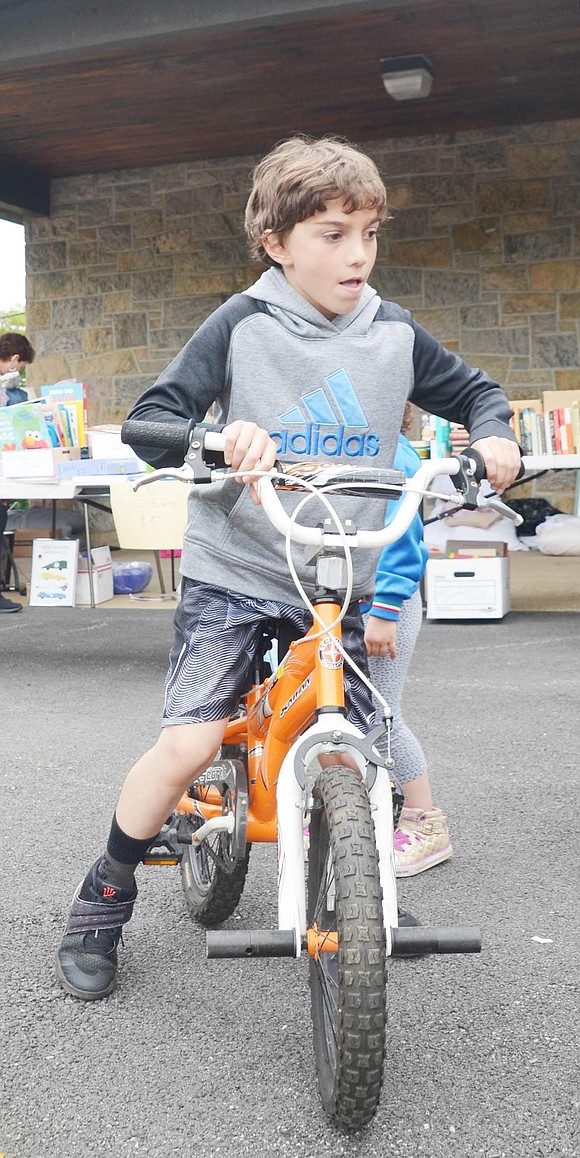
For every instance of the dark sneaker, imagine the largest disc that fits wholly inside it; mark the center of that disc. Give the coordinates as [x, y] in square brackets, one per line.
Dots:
[9, 605]
[86, 961]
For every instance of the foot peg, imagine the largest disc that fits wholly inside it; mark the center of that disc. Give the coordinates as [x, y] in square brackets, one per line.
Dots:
[251, 943]
[414, 941]
[418, 940]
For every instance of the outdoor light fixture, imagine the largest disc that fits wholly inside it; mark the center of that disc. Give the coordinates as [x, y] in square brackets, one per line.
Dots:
[407, 78]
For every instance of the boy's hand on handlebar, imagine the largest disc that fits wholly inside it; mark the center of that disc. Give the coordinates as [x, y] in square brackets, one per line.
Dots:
[381, 636]
[502, 460]
[249, 448]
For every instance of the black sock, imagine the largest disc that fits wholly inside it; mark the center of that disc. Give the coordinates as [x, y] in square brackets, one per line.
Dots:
[122, 856]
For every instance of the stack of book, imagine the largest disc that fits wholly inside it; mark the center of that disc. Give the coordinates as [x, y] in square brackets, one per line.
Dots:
[550, 425]
[443, 437]
[57, 419]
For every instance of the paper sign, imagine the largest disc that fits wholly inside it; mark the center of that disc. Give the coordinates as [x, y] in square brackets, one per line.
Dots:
[152, 518]
[54, 572]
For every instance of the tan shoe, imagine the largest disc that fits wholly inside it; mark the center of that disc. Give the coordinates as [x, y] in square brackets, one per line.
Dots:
[421, 841]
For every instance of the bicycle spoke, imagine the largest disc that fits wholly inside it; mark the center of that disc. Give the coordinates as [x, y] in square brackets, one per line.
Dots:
[325, 886]
[203, 861]
[330, 1006]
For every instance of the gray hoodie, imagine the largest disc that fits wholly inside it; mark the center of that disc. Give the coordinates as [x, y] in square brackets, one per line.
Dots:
[330, 391]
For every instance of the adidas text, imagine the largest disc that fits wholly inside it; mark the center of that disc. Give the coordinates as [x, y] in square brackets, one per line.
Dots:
[312, 440]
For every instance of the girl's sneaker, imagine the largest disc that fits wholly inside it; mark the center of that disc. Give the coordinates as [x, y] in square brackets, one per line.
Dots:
[421, 841]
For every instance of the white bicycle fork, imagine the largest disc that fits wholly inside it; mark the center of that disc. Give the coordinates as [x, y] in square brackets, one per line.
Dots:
[291, 802]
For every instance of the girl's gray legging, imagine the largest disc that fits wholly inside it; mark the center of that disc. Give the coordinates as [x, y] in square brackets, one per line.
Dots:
[389, 676]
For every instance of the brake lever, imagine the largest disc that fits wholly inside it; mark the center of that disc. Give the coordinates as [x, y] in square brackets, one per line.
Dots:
[201, 465]
[493, 503]
[182, 473]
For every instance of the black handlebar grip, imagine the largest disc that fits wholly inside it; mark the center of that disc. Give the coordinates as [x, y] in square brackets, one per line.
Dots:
[161, 435]
[480, 469]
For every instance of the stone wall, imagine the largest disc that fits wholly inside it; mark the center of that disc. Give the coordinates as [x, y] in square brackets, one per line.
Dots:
[484, 247]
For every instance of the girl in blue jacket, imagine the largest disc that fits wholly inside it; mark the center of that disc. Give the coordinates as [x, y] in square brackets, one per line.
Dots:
[392, 624]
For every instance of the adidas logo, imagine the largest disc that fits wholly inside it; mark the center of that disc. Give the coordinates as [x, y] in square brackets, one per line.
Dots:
[337, 408]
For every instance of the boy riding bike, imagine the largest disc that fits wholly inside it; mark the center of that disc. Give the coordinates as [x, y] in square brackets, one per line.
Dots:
[308, 363]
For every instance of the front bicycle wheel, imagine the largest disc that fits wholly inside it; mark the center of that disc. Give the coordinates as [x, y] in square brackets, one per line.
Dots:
[347, 949]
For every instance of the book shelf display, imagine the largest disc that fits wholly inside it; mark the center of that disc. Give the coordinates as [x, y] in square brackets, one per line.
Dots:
[550, 425]
[543, 426]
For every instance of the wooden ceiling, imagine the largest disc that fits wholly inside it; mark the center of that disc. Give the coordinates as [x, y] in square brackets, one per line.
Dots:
[218, 94]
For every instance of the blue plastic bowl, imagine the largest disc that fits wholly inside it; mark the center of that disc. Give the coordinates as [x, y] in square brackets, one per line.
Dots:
[130, 578]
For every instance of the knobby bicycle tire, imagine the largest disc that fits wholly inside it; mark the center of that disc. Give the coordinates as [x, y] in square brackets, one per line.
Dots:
[212, 893]
[348, 987]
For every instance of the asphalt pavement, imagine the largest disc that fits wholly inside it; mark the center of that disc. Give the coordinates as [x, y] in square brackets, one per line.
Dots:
[201, 1058]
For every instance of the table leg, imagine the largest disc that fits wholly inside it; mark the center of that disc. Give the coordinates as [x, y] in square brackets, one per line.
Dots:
[159, 572]
[89, 555]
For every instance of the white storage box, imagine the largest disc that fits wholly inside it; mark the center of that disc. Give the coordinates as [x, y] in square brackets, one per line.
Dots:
[40, 463]
[102, 577]
[467, 588]
[105, 442]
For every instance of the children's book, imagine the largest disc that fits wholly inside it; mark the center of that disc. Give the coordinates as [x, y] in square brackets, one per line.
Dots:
[54, 572]
[74, 396]
[54, 422]
[575, 408]
[24, 427]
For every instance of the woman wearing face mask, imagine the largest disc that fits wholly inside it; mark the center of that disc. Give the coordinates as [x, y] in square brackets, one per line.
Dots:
[15, 354]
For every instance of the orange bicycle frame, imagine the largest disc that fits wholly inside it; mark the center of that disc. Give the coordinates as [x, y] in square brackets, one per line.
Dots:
[309, 677]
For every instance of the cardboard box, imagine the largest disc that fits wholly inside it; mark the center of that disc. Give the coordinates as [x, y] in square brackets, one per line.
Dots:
[102, 577]
[467, 588]
[24, 538]
[37, 463]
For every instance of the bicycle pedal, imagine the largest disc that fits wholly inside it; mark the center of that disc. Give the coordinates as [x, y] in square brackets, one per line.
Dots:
[165, 847]
[157, 856]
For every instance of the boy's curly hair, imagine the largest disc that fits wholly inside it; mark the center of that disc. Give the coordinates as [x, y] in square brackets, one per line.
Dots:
[299, 177]
[407, 422]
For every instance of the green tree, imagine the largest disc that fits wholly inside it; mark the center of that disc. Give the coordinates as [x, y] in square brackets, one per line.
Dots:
[13, 319]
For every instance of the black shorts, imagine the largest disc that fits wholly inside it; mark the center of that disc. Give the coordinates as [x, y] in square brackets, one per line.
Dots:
[217, 634]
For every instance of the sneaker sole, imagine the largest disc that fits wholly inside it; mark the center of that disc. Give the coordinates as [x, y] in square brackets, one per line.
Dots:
[84, 996]
[413, 870]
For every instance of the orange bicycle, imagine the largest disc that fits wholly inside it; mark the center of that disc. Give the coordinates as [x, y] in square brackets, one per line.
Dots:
[292, 761]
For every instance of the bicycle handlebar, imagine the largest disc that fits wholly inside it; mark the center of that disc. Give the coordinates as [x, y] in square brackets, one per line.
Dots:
[192, 442]
[409, 505]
